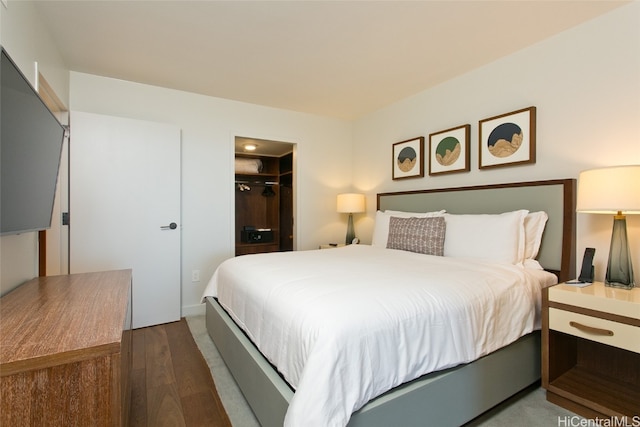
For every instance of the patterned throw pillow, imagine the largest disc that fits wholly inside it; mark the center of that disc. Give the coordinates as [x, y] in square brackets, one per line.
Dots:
[421, 235]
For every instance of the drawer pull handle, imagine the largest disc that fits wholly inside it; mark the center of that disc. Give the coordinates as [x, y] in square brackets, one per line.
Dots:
[591, 329]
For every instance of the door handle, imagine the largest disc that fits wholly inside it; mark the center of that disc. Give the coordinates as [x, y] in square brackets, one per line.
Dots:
[171, 226]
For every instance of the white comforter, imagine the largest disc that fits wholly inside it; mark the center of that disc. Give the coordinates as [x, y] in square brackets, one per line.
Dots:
[345, 325]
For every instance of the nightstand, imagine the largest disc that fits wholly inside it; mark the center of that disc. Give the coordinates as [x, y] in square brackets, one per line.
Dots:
[332, 245]
[591, 350]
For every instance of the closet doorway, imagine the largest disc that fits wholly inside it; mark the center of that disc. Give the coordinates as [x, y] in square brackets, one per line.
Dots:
[264, 195]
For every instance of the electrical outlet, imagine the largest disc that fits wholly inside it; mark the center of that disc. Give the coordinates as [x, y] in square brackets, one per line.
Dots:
[195, 275]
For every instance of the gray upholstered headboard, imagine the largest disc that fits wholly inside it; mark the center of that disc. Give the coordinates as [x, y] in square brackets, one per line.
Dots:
[556, 197]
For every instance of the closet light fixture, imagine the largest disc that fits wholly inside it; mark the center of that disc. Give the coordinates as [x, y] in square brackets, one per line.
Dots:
[613, 190]
[250, 147]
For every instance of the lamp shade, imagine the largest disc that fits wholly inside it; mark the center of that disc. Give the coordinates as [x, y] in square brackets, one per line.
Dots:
[609, 190]
[350, 203]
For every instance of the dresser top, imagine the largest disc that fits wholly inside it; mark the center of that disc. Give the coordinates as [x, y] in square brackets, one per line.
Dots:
[77, 315]
[624, 302]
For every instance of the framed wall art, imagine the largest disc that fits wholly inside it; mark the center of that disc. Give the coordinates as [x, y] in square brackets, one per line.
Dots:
[508, 139]
[408, 158]
[449, 150]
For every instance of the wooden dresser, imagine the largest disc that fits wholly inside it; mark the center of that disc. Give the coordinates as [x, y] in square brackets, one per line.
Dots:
[65, 351]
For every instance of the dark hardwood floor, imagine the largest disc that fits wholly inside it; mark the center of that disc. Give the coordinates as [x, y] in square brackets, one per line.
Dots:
[170, 380]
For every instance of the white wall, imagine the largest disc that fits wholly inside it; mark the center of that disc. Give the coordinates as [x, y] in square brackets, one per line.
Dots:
[585, 84]
[209, 126]
[24, 38]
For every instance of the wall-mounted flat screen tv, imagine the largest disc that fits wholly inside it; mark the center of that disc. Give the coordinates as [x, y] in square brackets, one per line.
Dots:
[31, 141]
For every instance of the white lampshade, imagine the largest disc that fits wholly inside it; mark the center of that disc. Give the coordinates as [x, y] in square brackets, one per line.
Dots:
[614, 190]
[609, 190]
[351, 203]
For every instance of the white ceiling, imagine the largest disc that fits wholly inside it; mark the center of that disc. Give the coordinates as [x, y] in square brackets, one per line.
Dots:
[339, 59]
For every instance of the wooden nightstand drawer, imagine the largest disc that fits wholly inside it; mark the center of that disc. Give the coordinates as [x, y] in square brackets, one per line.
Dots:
[595, 329]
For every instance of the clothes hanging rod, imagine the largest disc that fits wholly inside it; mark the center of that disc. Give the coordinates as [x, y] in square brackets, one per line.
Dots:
[258, 182]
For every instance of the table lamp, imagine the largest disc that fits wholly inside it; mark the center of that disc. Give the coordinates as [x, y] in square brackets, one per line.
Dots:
[350, 203]
[613, 190]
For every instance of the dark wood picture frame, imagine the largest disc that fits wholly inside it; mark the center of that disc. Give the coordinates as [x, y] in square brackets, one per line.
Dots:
[508, 139]
[407, 159]
[449, 151]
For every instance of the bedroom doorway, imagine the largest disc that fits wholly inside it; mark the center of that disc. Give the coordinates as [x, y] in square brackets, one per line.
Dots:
[53, 243]
[264, 196]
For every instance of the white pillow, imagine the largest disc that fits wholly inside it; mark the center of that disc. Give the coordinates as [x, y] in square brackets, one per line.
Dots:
[534, 224]
[532, 264]
[497, 237]
[381, 226]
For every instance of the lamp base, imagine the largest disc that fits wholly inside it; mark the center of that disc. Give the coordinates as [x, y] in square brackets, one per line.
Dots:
[618, 285]
[351, 233]
[619, 268]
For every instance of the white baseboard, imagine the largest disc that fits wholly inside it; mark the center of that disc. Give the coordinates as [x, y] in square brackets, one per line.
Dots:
[193, 310]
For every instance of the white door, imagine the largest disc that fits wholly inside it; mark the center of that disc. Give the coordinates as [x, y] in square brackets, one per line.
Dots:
[124, 208]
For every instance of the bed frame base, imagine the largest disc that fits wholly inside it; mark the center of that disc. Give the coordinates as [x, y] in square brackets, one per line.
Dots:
[446, 398]
[265, 391]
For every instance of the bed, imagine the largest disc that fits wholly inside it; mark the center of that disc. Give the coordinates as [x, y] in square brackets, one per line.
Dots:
[449, 392]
